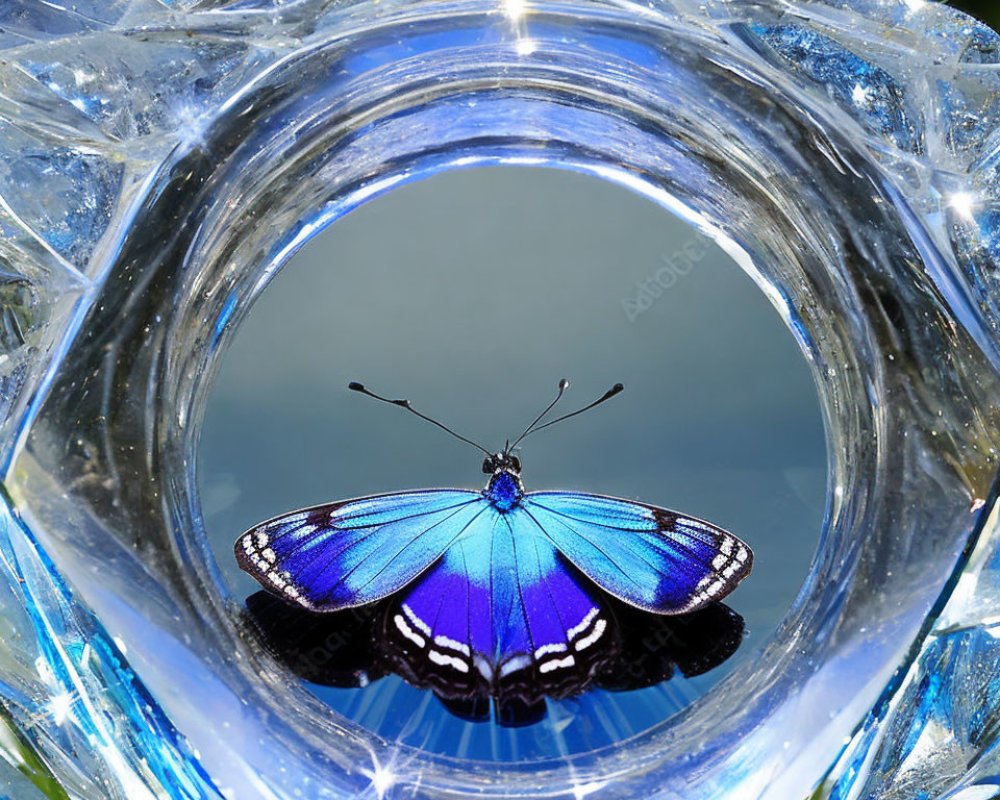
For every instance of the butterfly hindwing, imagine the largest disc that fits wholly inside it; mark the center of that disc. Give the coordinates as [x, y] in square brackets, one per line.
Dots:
[649, 557]
[347, 554]
[501, 614]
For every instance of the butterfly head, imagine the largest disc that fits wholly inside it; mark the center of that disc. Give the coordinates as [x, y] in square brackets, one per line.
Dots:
[502, 461]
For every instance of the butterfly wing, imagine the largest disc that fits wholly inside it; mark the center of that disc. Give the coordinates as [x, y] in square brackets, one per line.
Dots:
[502, 615]
[649, 557]
[347, 554]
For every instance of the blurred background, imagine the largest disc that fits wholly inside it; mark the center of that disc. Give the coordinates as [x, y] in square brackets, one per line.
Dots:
[986, 10]
[472, 293]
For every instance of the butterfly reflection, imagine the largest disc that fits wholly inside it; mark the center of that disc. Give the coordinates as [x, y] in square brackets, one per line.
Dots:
[348, 650]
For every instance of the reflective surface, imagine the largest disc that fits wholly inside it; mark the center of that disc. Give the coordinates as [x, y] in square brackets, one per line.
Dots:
[843, 156]
[471, 293]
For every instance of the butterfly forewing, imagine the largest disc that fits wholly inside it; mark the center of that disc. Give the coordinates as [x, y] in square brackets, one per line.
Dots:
[649, 557]
[346, 554]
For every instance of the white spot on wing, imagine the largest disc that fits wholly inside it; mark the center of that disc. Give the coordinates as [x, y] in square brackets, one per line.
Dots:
[484, 667]
[444, 641]
[421, 625]
[447, 661]
[408, 632]
[593, 636]
[554, 647]
[581, 626]
[548, 666]
[516, 663]
[277, 579]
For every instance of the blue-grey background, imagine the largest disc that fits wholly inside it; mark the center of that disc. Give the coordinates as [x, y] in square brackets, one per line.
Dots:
[472, 293]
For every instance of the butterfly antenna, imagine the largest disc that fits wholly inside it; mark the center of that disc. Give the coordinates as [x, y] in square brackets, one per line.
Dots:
[354, 386]
[616, 389]
[563, 386]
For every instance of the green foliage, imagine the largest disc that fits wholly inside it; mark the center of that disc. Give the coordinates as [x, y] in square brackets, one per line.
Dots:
[20, 753]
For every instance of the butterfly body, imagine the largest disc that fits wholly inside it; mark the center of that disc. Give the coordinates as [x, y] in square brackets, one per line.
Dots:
[505, 490]
[498, 592]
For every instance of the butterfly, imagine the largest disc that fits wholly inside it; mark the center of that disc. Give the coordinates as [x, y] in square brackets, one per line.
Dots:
[496, 592]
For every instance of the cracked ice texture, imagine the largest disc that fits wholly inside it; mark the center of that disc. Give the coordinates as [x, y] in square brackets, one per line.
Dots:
[95, 99]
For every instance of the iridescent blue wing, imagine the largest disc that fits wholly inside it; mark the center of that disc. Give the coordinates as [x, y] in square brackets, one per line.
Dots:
[649, 557]
[501, 614]
[358, 551]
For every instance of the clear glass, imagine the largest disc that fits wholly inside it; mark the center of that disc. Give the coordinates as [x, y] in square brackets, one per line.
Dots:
[162, 162]
[468, 293]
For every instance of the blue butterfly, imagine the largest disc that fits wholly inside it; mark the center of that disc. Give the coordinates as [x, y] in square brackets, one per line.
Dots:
[496, 591]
